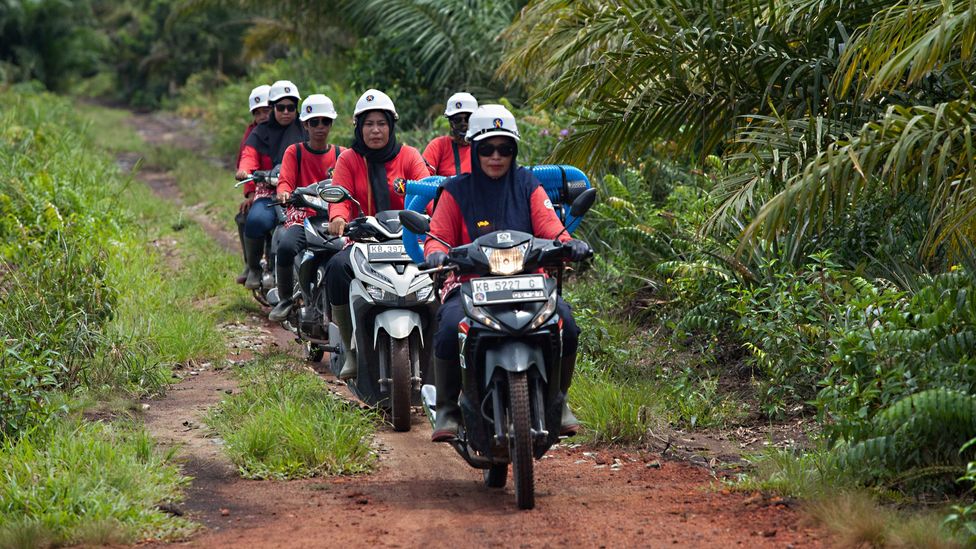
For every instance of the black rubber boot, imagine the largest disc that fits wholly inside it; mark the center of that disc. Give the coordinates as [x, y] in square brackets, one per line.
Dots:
[253, 249]
[342, 316]
[239, 219]
[447, 380]
[286, 289]
[569, 425]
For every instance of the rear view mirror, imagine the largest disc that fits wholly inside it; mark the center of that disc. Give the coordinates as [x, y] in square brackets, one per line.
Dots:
[333, 194]
[583, 203]
[415, 222]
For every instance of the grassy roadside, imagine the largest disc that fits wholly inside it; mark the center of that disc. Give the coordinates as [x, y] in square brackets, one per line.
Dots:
[102, 293]
[284, 423]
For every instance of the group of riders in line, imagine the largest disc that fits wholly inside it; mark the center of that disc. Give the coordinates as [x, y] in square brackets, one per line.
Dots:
[487, 191]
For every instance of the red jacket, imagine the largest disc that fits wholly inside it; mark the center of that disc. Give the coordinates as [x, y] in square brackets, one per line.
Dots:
[444, 156]
[240, 150]
[315, 166]
[351, 172]
[251, 161]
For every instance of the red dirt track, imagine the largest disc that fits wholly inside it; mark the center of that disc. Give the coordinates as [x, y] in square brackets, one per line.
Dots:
[424, 495]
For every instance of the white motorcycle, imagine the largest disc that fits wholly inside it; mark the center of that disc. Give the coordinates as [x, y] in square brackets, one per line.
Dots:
[393, 310]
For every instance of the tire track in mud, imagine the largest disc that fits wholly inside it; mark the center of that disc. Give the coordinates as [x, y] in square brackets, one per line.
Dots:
[424, 494]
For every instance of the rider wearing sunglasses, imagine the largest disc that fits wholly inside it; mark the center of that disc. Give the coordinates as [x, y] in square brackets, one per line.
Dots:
[303, 164]
[263, 150]
[450, 155]
[498, 194]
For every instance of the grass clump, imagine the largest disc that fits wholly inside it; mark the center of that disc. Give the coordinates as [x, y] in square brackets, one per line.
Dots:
[286, 424]
[86, 483]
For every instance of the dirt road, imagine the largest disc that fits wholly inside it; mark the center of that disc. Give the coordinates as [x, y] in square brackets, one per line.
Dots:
[422, 494]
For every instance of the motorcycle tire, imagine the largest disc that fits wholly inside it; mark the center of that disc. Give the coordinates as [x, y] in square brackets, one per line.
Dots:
[520, 420]
[400, 386]
[496, 476]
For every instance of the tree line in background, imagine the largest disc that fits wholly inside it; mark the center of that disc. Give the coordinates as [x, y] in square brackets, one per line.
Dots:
[787, 187]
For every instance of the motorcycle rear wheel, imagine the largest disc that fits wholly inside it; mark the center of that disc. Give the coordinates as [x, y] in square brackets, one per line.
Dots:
[520, 419]
[399, 368]
[496, 476]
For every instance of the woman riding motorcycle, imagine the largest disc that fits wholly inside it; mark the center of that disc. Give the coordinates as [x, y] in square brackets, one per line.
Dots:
[374, 172]
[260, 111]
[263, 150]
[450, 155]
[498, 194]
[303, 164]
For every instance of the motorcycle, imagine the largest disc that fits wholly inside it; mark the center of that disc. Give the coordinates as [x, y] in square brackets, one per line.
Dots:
[309, 318]
[268, 178]
[392, 306]
[510, 350]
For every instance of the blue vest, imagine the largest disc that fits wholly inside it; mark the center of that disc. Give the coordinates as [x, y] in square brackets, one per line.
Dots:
[494, 205]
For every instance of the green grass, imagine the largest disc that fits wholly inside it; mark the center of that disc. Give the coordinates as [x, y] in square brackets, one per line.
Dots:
[286, 424]
[86, 483]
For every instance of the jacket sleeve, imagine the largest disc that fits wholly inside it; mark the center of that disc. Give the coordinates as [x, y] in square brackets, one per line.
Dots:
[431, 154]
[416, 168]
[445, 224]
[545, 222]
[343, 176]
[250, 162]
[289, 176]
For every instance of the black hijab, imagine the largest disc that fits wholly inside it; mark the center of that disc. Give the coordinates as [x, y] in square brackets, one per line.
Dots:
[271, 138]
[376, 159]
[489, 204]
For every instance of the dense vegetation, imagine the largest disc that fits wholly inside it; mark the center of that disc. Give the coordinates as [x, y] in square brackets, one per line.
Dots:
[787, 194]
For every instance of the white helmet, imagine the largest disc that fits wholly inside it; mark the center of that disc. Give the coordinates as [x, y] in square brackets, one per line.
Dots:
[317, 105]
[281, 89]
[461, 102]
[259, 97]
[375, 100]
[492, 120]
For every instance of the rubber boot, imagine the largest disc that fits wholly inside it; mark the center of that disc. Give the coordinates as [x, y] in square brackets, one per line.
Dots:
[343, 319]
[286, 289]
[569, 425]
[253, 249]
[447, 380]
[239, 220]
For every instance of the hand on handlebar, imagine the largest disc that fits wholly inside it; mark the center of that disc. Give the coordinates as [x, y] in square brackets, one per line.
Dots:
[578, 250]
[283, 196]
[337, 226]
[434, 260]
[241, 175]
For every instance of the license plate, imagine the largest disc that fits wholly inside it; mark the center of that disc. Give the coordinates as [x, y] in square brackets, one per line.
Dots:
[386, 253]
[515, 289]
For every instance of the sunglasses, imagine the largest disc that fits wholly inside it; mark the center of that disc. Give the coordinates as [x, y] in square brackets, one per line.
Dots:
[314, 122]
[504, 150]
[285, 107]
[459, 119]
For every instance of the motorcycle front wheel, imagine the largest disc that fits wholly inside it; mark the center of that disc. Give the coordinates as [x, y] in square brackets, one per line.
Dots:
[398, 363]
[520, 436]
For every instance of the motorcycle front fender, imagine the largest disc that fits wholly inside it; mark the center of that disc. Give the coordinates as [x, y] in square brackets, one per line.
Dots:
[514, 356]
[398, 323]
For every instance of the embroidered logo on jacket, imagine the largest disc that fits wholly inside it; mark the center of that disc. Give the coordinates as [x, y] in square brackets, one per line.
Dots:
[400, 185]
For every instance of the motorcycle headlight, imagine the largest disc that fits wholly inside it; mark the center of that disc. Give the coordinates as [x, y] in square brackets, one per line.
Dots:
[545, 313]
[477, 313]
[506, 262]
[375, 292]
[365, 267]
[423, 294]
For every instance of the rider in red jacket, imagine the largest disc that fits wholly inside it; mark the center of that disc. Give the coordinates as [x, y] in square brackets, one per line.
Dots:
[303, 164]
[450, 155]
[260, 111]
[374, 172]
[496, 195]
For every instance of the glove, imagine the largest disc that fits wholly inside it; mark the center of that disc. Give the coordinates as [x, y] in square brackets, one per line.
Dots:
[435, 259]
[578, 250]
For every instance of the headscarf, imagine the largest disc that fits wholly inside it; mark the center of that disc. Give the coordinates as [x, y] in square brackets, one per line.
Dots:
[271, 138]
[505, 203]
[376, 159]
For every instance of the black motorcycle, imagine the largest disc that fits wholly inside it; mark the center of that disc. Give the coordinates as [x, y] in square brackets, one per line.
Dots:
[510, 351]
[267, 178]
[309, 318]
